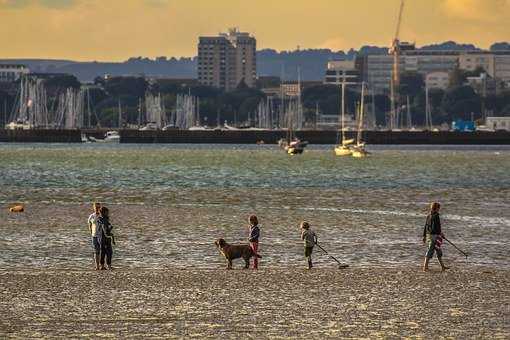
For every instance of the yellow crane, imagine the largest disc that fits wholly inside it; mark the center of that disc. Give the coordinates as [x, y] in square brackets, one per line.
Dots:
[395, 76]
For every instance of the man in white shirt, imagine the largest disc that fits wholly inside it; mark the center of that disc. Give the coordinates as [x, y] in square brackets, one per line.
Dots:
[92, 223]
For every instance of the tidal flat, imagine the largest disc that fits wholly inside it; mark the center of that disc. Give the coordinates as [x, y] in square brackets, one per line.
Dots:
[322, 303]
[169, 203]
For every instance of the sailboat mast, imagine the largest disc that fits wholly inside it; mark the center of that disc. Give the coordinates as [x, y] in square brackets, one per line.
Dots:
[362, 109]
[120, 116]
[343, 110]
[139, 112]
[409, 122]
[88, 109]
[428, 122]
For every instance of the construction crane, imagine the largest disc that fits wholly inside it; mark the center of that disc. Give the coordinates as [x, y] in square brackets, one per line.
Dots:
[395, 76]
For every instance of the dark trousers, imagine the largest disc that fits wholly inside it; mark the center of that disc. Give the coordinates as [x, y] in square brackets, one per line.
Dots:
[96, 245]
[106, 252]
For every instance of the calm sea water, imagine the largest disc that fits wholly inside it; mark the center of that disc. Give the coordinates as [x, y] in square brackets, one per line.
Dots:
[169, 203]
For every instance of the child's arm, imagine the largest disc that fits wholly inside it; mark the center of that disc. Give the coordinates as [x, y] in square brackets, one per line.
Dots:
[89, 223]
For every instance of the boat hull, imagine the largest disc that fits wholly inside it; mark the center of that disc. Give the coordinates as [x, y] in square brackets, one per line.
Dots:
[361, 153]
[343, 151]
[294, 151]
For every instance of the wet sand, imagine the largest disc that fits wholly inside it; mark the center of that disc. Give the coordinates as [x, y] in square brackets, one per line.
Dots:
[289, 302]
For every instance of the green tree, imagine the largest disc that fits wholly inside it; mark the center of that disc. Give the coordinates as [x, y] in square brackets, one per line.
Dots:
[505, 111]
[460, 103]
[328, 97]
[127, 86]
[411, 84]
[56, 84]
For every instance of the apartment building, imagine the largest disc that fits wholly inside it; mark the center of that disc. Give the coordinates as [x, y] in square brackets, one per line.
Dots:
[224, 61]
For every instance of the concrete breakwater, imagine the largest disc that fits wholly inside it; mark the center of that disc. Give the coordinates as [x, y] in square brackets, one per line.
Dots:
[257, 136]
[313, 137]
[40, 136]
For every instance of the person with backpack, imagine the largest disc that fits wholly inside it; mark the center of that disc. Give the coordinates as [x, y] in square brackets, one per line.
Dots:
[433, 237]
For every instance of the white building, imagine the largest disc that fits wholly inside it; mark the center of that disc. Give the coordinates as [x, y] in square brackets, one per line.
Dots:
[378, 69]
[339, 71]
[502, 67]
[498, 123]
[12, 72]
[437, 80]
[473, 60]
[333, 122]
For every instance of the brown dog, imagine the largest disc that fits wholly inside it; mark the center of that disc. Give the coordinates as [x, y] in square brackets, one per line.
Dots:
[17, 208]
[235, 251]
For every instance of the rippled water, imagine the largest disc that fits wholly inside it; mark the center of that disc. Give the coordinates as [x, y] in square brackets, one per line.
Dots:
[169, 202]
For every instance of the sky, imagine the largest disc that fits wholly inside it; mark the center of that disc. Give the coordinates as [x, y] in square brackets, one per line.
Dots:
[114, 30]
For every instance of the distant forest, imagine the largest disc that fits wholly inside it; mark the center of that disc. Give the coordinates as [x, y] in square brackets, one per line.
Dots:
[312, 63]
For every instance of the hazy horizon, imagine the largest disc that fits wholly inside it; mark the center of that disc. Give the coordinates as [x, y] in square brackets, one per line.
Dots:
[89, 30]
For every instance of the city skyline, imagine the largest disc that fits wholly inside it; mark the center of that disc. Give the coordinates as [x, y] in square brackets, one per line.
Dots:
[88, 30]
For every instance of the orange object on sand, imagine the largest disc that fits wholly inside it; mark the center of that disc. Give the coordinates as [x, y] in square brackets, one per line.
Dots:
[17, 208]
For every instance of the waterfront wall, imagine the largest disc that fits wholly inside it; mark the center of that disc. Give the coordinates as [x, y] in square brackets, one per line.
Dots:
[40, 136]
[313, 136]
[254, 136]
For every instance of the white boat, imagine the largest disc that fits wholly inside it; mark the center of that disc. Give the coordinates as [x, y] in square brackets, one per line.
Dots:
[484, 128]
[18, 125]
[228, 127]
[112, 137]
[149, 127]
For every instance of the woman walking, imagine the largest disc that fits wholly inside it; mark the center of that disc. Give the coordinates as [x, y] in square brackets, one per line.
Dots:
[433, 235]
[105, 238]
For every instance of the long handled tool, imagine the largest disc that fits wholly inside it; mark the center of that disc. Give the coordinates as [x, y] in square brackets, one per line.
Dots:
[463, 253]
[340, 264]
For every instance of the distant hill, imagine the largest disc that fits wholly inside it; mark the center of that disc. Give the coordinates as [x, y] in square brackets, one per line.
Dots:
[502, 46]
[450, 46]
[311, 62]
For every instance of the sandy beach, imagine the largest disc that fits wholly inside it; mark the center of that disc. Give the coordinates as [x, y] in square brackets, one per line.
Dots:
[274, 303]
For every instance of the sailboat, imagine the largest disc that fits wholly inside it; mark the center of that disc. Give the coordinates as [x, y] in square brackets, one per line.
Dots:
[343, 148]
[293, 145]
[359, 151]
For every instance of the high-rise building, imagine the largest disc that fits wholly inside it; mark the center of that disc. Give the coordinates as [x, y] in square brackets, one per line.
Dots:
[224, 61]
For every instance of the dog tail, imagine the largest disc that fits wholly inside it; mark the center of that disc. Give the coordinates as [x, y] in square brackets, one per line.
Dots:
[258, 255]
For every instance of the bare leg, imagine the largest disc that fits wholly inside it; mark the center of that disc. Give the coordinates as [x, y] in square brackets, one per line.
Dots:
[443, 267]
[426, 264]
[96, 261]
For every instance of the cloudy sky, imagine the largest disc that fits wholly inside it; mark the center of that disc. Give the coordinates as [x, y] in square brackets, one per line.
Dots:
[118, 29]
